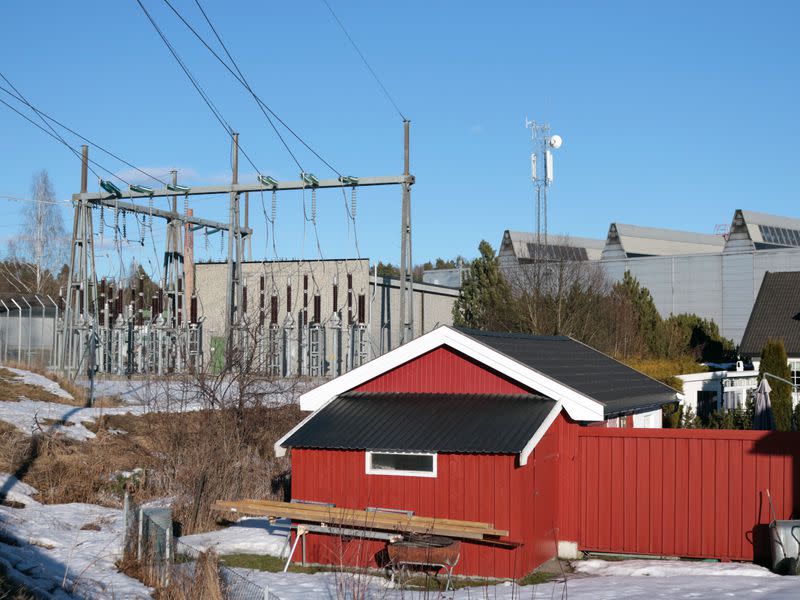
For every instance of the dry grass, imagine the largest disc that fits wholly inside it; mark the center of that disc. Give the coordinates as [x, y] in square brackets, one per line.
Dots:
[13, 389]
[202, 584]
[196, 458]
[34, 392]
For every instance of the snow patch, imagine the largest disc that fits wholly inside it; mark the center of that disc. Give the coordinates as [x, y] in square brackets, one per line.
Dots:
[16, 491]
[41, 381]
[247, 536]
[668, 568]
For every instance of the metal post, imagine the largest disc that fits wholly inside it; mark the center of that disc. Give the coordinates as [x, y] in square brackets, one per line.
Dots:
[406, 269]
[5, 334]
[232, 296]
[19, 329]
[30, 327]
[247, 225]
[41, 337]
[54, 345]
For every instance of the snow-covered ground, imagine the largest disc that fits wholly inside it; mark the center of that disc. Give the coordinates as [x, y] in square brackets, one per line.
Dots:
[41, 381]
[53, 553]
[596, 580]
[65, 550]
[250, 535]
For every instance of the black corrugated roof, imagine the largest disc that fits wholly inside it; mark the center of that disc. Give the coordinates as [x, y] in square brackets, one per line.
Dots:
[775, 314]
[620, 388]
[474, 423]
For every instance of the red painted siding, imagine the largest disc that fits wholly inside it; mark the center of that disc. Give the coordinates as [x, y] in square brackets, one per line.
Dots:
[487, 488]
[680, 492]
[442, 371]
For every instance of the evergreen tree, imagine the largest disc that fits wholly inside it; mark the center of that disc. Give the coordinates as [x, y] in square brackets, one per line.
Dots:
[649, 324]
[775, 362]
[690, 419]
[485, 301]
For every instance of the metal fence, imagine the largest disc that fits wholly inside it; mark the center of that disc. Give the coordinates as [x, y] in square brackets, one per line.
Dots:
[161, 560]
[28, 326]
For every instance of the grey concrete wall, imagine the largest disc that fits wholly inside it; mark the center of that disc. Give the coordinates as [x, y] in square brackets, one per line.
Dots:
[433, 304]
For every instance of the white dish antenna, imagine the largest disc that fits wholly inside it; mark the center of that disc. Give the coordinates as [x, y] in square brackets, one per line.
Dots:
[556, 141]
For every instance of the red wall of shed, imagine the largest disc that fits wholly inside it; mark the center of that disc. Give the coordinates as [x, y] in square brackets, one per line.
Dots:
[442, 371]
[486, 488]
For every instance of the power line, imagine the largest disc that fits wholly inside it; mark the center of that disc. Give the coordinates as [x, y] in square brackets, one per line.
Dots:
[60, 140]
[206, 98]
[225, 125]
[87, 140]
[366, 64]
[241, 76]
[263, 105]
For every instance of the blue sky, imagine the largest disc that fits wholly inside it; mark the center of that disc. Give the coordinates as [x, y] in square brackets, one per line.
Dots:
[673, 114]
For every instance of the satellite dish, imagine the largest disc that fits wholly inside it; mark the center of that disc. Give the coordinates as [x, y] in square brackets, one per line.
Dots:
[556, 141]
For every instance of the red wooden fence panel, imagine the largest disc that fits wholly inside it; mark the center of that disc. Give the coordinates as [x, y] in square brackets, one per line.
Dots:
[692, 493]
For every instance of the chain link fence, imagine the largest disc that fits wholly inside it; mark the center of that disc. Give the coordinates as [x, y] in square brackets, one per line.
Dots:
[154, 556]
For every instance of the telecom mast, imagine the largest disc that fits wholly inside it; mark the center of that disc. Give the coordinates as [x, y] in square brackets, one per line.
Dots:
[542, 153]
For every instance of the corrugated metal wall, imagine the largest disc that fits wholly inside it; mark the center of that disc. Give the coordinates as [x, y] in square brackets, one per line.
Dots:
[682, 492]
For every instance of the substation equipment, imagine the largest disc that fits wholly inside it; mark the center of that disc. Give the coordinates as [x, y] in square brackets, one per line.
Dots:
[111, 329]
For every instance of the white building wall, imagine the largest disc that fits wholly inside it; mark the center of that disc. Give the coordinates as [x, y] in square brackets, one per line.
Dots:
[722, 287]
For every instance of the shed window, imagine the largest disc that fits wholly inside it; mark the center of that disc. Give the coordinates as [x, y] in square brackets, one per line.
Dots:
[401, 463]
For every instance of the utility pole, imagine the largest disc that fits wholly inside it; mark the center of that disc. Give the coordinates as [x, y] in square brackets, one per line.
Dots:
[247, 225]
[233, 299]
[81, 291]
[173, 259]
[406, 264]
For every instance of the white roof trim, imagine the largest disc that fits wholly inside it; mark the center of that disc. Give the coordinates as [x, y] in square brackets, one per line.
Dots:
[528, 449]
[578, 406]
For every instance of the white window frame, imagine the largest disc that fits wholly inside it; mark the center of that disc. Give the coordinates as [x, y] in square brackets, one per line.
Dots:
[370, 471]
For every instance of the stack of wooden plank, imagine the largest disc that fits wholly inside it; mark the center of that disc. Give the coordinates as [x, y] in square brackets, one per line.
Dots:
[363, 519]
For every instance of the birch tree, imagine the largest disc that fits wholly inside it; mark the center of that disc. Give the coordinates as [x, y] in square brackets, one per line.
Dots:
[40, 249]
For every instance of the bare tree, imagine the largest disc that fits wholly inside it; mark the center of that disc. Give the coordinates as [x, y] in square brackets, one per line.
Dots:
[41, 246]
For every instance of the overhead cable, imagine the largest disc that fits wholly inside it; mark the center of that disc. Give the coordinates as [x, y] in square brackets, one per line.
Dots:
[366, 64]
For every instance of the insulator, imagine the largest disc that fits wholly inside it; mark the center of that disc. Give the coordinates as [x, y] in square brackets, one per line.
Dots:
[313, 205]
[102, 223]
[205, 234]
[186, 204]
[141, 230]
[124, 226]
[353, 203]
[150, 207]
[274, 205]
[116, 225]
[222, 241]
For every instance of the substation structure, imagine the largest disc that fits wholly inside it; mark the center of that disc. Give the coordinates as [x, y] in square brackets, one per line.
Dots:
[117, 330]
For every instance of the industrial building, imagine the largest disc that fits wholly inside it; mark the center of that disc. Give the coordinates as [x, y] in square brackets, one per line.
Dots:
[714, 276]
[316, 318]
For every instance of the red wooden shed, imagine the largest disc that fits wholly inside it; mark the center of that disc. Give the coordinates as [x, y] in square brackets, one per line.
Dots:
[464, 425]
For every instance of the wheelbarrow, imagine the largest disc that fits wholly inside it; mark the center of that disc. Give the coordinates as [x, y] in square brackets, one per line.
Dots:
[424, 552]
[784, 539]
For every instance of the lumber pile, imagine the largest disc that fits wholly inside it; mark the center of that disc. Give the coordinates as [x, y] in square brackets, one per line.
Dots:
[362, 519]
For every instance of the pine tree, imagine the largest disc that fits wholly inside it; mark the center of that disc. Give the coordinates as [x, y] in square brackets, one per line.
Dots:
[775, 362]
[485, 301]
[690, 419]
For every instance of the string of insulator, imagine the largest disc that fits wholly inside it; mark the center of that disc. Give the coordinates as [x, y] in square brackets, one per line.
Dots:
[150, 207]
[274, 205]
[116, 225]
[353, 203]
[124, 225]
[313, 205]
[205, 234]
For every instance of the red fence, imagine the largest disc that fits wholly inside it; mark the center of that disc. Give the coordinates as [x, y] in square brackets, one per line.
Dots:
[693, 493]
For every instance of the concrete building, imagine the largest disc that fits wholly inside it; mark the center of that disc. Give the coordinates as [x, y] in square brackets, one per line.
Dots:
[715, 277]
[316, 318]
